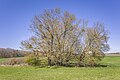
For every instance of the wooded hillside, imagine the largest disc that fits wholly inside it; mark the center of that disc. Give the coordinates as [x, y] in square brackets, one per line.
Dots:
[8, 53]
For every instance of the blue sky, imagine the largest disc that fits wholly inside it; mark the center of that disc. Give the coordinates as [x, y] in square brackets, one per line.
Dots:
[16, 16]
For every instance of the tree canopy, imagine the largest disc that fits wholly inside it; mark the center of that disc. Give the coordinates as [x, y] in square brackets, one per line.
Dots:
[62, 39]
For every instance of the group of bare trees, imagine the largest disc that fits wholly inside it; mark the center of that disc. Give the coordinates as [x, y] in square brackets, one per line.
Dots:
[8, 53]
[62, 39]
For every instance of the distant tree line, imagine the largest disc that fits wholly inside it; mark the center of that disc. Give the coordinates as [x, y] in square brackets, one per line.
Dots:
[9, 53]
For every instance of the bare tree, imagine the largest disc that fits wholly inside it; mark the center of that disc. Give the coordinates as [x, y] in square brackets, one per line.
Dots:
[95, 44]
[55, 35]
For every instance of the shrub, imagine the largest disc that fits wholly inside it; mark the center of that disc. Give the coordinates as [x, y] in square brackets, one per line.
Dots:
[14, 61]
[36, 61]
[33, 60]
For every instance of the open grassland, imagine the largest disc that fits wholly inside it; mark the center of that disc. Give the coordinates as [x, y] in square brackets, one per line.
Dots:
[112, 61]
[112, 72]
[31, 73]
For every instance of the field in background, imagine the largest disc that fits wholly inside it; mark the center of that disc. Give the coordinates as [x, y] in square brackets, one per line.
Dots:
[6, 59]
[3, 59]
[111, 72]
[112, 54]
[111, 61]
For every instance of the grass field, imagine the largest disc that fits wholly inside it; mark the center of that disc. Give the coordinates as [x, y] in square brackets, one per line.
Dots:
[112, 72]
[112, 61]
[2, 59]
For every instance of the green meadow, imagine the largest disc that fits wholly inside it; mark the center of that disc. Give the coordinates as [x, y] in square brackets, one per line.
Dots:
[112, 72]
